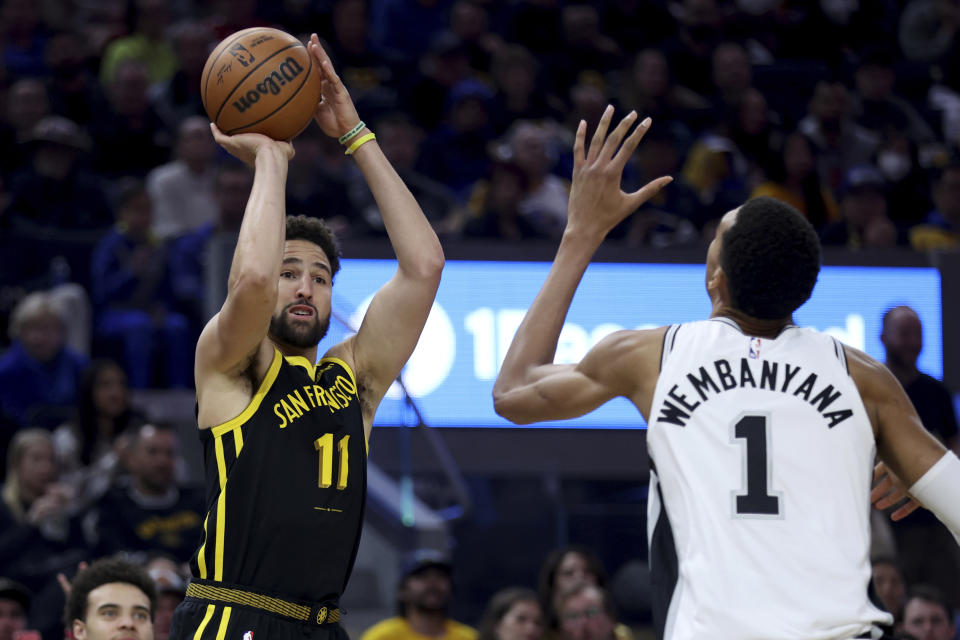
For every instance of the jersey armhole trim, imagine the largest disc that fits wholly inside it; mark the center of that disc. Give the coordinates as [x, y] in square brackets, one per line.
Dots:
[343, 364]
[254, 404]
[669, 337]
[841, 354]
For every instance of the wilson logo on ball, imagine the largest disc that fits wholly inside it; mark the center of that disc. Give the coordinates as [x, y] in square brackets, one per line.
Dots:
[287, 71]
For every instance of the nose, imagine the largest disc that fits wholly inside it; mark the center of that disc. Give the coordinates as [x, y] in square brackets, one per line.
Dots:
[305, 287]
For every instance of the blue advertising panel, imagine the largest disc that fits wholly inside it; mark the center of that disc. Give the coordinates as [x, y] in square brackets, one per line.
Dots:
[480, 305]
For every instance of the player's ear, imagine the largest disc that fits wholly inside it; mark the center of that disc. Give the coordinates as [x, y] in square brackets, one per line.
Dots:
[717, 284]
[79, 630]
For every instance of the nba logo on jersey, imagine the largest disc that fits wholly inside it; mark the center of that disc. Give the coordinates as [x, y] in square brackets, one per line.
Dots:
[754, 348]
[248, 635]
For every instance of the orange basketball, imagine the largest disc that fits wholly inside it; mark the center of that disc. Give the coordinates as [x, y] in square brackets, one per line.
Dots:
[260, 80]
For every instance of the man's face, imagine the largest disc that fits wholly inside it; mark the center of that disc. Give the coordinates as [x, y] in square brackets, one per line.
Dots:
[42, 337]
[154, 458]
[115, 611]
[903, 337]
[233, 190]
[12, 618]
[37, 469]
[582, 617]
[926, 620]
[302, 315]
[427, 590]
[889, 586]
[946, 196]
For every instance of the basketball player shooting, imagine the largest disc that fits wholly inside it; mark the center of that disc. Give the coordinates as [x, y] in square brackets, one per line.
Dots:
[761, 434]
[285, 436]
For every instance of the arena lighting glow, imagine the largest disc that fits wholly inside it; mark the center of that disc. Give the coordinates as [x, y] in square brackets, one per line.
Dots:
[480, 305]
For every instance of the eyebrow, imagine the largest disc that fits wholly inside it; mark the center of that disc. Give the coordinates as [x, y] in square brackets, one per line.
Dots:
[136, 607]
[298, 261]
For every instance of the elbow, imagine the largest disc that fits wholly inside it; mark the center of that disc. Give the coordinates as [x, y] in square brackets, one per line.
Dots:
[507, 409]
[429, 266]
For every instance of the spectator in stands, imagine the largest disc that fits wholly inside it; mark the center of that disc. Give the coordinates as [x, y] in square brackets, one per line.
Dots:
[74, 91]
[841, 143]
[14, 605]
[877, 108]
[407, 26]
[423, 599]
[794, 180]
[39, 373]
[927, 551]
[519, 92]
[564, 569]
[150, 512]
[732, 76]
[179, 98]
[908, 185]
[89, 448]
[890, 587]
[942, 228]
[587, 612]
[426, 95]
[147, 44]
[133, 298]
[585, 53]
[470, 21]
[512, 614]
[23, 35]
[183, 191]
[129, 138]
[927, 615]
[112, 598]
[863, 207]
[26, 104]
[699, 30]
[39, 537]
[171, 591]
[496, 206]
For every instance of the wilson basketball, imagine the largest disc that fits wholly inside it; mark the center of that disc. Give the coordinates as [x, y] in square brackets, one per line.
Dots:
[260, 80]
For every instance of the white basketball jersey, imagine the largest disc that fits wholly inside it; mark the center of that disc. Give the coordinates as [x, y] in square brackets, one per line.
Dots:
[761, 467]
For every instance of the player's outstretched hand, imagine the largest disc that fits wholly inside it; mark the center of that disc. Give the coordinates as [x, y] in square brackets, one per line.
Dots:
[335, 114]
[597, 203]
[889, 490]
[246, 146]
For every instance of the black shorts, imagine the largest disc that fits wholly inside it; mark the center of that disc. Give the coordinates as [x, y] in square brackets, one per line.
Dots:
[196, 619]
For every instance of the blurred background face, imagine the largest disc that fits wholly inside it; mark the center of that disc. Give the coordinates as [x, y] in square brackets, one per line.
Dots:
[522, 621]
[889, 586]
[153, 459]
[42, 336]
[195, 142]
[27, 103]
[37, 469]
[731, 68]
[582, 617]
[946, 195]
[798, 157]
[903, 337]
[650, 74]
[137, 214]
[400, 142]
[233, 189]
[12, 618]
[573, 571]
[529, 147]
[427, 590]
[754, 115]
[874, 82]
[129, 89]
[192, 45]
[110, 393]
[862, 205]
[925, 620]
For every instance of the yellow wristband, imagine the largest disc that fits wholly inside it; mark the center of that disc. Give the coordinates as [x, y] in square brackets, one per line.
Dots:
[358, 143]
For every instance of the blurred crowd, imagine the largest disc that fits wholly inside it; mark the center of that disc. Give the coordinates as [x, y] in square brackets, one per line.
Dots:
[115, 202]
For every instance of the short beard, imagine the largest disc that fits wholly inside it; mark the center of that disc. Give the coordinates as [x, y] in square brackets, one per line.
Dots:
[282, 331]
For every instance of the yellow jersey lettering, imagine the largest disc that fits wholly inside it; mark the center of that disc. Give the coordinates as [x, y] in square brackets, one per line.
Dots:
[283, 419]
[308, 390]
[318, 392]
[346, 384]
[291, 414]
[332, 400]
[298, 402]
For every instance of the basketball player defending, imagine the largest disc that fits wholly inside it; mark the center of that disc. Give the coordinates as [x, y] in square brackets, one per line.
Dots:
[761, 434]
[285, 436]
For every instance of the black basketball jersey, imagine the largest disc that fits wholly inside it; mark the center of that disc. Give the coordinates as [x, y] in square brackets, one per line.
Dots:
[286, 484]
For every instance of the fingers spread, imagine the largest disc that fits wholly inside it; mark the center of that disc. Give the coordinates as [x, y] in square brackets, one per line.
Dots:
[612, 142]
[630, 145]
[601, 132]
[649, 190]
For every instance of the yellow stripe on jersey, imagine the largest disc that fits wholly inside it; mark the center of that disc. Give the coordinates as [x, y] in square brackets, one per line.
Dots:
[206, 619]
[245, 415]
[238, 441]
[221, 510]
[224, 622]
[300, 361]
[202, 554]
[343, 364]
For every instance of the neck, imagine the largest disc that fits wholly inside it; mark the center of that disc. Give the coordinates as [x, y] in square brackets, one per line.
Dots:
[428, 623]
[148, 490]
[904, 372]
[288, 351]
[104, 427]
[752, 326]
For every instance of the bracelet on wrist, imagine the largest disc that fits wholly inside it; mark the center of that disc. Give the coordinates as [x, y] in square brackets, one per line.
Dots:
[359, 142]
[349, 134]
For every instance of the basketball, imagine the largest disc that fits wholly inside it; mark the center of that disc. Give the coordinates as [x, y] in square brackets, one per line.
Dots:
[260, 80]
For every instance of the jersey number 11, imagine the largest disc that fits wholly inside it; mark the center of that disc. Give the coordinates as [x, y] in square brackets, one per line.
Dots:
[324, 445]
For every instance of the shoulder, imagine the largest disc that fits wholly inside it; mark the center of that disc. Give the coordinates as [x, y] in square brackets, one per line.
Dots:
[459, 631]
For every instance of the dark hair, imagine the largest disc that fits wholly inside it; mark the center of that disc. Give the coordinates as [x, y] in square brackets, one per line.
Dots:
[771, 257]
[810, 186]
[928, 593]
[315, 230]
[128, 189]
[87, 410]
[499, 605]
[101, 572]
[606, 599]
[547, 582]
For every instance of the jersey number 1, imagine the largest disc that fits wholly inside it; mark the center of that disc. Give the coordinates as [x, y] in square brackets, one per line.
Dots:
[757, 500]
[324, 445]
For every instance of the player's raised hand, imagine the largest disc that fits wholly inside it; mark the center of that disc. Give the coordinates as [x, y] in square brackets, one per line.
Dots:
[597, 203]
[335, 113]
[889, 490]
[246, 146]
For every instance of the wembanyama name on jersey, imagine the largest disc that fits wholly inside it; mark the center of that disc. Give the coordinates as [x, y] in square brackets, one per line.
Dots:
[711, 381]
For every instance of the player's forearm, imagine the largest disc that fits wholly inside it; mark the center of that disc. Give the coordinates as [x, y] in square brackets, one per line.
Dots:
[414, 241]
[256, 260]
[535, 342]
[938, 490]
